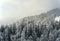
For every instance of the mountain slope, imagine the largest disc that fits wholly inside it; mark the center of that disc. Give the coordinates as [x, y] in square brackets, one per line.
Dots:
[44, 27]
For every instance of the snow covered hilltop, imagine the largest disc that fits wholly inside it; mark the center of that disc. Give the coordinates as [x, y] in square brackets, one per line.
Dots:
[44, 27]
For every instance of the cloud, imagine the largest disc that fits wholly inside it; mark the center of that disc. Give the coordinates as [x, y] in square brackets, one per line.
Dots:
[25, 8]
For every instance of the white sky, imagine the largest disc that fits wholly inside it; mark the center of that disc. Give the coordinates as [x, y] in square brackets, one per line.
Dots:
[11, 10]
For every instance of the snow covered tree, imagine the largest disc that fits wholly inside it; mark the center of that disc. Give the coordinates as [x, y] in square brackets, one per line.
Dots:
[23, 35]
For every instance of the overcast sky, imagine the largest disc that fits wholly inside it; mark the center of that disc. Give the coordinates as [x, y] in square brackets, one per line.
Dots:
[12, 10]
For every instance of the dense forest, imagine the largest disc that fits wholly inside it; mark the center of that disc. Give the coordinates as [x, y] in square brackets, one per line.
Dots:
[35, 28]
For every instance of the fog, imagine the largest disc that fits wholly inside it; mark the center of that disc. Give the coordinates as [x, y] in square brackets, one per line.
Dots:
[13, 10]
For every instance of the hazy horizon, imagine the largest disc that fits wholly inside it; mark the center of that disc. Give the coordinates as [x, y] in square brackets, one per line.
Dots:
[12, 10]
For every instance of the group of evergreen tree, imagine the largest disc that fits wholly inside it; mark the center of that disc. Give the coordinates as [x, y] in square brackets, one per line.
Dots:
[30, 32]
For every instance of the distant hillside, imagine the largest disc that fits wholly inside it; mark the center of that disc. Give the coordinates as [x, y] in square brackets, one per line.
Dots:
[44, 18]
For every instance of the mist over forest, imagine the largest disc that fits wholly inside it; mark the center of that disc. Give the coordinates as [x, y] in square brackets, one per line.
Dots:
[43, 27]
